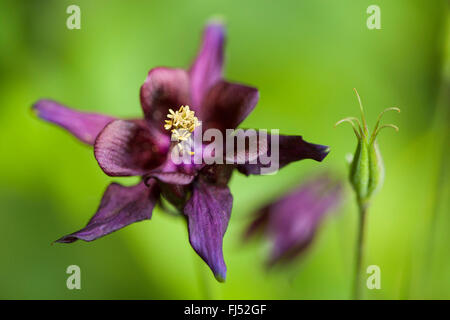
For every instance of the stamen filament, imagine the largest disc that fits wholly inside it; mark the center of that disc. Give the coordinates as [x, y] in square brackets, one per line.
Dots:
[181, 123]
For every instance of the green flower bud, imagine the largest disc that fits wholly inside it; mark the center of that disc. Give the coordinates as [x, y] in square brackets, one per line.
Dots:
[366, 167]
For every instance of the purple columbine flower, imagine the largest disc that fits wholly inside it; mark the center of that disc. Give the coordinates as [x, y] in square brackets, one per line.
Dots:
[142, 147]
[291, 221]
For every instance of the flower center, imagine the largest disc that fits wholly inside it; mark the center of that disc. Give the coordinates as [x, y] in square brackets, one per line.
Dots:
[181, 123]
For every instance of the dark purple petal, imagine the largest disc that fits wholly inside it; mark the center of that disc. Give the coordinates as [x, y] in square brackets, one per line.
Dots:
[127, 148]
[292, 221]
[176, 194]
[178, 178]
[168, 170]
[218, 174]
[247, 147]
[258, 224]
[208, 212]
[207, 67]
[227, 104]
[85, 126]
[290, 149]
[164, 89]
[174, 180]
[120, 206]
[299, 217]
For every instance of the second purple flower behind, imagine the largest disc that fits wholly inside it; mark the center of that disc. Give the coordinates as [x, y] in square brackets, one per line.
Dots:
[290, 222]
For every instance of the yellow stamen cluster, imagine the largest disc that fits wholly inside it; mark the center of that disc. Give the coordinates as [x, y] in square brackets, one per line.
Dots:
[181, 123]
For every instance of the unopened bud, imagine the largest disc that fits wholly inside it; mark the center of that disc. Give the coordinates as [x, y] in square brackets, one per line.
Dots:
[366, 167]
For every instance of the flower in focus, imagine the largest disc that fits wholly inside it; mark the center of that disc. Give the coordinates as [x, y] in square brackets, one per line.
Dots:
[291, 222]
[143, 147]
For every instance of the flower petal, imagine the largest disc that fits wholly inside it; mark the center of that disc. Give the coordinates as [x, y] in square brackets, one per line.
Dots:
[178, 178]
[242, 153]
[127, 148]
[218, 174]
[227, 105]
[290, 149]
[207, 67]
[258, 223]
[163, 89]
[175, 194]
[291, 221]
[85, 126]
[120, 206]
[208, 212]
[174, 181]
[295, 218]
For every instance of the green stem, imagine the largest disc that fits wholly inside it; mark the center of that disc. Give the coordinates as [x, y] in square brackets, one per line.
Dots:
[359, 250]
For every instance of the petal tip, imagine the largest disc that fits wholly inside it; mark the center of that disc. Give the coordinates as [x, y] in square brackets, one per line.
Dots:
[318, 152]
[35, 106]
[325, 150]
[216, 20]
[220, 277]
[66, 239]
[40, 107]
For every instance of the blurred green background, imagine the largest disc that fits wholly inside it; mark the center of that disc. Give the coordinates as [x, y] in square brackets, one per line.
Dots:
[305, 57]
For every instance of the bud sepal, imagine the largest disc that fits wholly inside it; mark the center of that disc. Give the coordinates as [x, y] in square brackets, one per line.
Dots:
[367, 168]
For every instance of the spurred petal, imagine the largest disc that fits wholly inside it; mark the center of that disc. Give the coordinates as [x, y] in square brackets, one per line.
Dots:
[127, 148]
[227, 104]
[207, 67]
[164, 89]
[120, 206]
[208, 212]
[85, 126]
[290, 149]
[178, 178]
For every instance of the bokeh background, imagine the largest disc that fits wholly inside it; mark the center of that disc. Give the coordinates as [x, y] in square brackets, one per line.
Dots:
[305, 57]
